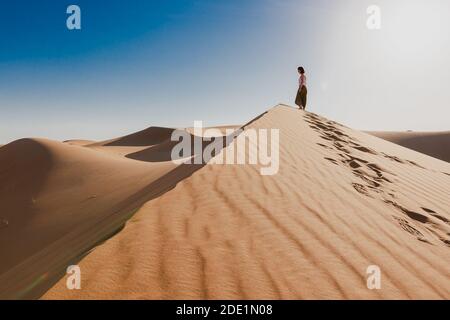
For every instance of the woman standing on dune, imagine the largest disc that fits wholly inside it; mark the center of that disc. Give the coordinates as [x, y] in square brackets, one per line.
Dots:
[302, 92]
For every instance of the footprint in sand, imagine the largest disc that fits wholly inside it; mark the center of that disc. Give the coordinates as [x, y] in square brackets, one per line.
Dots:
[414, 164]
[443, 219]
[374, 178]
[341, 148]
[436, 215]
[341, 142]
[327, 130]
[427, 210]
[312, 126]
[372, 182]
[335, 138]
[413, 215]
[393, 158]
[354, 164]
[357, 159]
[441, 238]
[417, 216]
[392, 195]
[324, 146]
[361, 189]
[434, 227]
[326, 138]
[340, 133]
[332, 160]
[378, 169]
[405, 225]
[397, 159]
[366, 178]
[364, 149]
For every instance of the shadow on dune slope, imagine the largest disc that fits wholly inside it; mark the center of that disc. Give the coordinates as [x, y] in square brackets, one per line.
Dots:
[25, 165]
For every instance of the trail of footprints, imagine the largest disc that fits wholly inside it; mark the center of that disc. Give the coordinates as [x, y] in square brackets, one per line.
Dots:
[374, 180]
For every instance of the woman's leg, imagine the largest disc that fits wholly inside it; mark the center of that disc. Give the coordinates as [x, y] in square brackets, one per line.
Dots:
[304, 95]
[298, 99]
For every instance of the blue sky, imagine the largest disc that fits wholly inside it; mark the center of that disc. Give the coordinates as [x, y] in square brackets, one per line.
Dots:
[139, 63]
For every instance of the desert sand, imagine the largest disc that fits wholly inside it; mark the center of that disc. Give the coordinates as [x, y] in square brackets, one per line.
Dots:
[434, 144]
[141, 227]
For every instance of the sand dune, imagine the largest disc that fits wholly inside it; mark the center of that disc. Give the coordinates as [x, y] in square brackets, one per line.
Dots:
[342, 200]
[59, 200]
[56, 202]
[434, 144]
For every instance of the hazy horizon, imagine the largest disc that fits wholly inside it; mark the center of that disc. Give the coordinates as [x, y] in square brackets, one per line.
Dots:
[161, 63]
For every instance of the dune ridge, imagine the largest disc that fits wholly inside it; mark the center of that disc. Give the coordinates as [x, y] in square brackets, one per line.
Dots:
[144, 138]
[343, 200]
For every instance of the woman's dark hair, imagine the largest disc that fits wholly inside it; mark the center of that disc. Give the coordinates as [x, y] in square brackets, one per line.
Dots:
[301, 70]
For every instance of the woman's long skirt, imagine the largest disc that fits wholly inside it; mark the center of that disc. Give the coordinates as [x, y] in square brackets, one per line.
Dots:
[301, 98]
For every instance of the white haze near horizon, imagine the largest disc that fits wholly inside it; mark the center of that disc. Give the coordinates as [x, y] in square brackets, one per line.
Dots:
[395, 79]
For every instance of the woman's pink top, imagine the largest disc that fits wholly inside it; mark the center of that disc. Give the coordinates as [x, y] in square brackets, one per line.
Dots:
[302, 81]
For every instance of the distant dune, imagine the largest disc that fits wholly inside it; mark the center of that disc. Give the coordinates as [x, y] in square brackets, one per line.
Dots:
[141, 227]
[434, 144]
